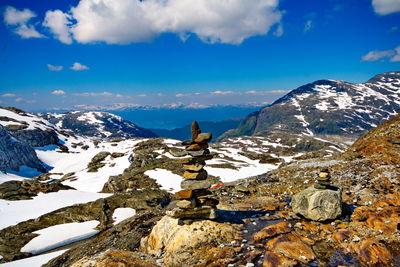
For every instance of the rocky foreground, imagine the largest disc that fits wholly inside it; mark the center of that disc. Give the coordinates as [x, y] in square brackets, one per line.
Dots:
[255, 224]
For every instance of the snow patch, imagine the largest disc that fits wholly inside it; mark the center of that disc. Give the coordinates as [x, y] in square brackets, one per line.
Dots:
[169, 181]
[60, 235]
[121, 214]
[35, 261]
[14, 212]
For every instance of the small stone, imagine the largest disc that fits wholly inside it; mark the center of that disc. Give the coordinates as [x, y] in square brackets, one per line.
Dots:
[199, 153]
[186, 204]
[212, 202]
[194, 160]
[200, 175]
[195, 166]
[188, 194]
[249, 264]
[196, 147]
[195, 130]
[203, 138]
[196, 213]
[196, 184]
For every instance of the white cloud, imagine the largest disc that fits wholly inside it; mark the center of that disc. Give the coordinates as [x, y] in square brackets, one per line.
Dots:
[19, 99]
[384, 7]
[123, 22]
[181, 95]
[142, 95]
[18, 20]
[8, 95]
[58, 23]
[94, 94]
[54, 68]
[222, 92]
[78, 67]
[308, 26]
[392, 55]
[396, 56]
[58, 92]
[13, 16]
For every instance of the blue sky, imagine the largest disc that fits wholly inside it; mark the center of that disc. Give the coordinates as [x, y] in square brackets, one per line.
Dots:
[96, 53]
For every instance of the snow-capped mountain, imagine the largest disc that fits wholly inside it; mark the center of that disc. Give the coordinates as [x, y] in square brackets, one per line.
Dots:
[97, 124]
[328, 107]
[28, 127]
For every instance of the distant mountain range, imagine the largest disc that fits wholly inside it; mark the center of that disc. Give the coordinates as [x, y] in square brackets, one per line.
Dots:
[327, 107]
[184, 133]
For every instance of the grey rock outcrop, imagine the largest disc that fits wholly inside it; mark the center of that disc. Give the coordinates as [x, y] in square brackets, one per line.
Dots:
[14, 153]
[318, 204]
[36, 137]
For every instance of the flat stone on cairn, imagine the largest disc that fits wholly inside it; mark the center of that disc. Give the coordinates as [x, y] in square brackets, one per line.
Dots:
[195, 200]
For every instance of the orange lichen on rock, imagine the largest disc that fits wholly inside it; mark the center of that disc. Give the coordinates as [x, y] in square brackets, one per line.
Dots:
[291, 246]
[384, 220]
[272, 259]
[272, 230]
[371, 253]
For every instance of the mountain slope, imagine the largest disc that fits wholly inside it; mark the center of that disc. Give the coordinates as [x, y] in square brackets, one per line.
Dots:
[328, 107]
[97, 124]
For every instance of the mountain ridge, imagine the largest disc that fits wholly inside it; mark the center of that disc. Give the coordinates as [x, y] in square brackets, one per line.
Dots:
[328, 107]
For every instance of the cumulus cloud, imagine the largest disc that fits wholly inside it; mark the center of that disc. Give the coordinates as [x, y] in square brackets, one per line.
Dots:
[58, 92]
[54, 68]
[124, 22]
[384, 7]
[78, 67]
[58, 23]
[392, 55]
[19, 99]
[279, 31]
[8, 95]
[18, 20]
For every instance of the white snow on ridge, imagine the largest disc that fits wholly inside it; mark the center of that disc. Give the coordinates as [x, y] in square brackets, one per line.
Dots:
[32, 121]
[35, 261]
[169, 181]
[14, 212]
[90, 117]
[60, 235]
[121, 214]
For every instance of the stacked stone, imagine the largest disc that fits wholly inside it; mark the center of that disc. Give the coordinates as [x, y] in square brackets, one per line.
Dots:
[323, 180]
[195, 201]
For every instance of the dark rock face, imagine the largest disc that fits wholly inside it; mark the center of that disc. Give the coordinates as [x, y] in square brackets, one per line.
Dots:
[328, 107]
[97, 124]
[37, 137]
[14, 153]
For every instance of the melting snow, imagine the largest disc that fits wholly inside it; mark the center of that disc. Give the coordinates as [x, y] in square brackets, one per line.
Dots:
[14, 212]
[169, 181]
[60, 235]
[121, 214]
[35, 261]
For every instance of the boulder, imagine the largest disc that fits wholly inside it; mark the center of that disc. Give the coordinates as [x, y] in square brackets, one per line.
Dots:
[318, 204]
[181, 243]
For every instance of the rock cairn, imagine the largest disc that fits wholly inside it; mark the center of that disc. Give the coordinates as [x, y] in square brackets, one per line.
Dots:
[323, 180]
[195, 201]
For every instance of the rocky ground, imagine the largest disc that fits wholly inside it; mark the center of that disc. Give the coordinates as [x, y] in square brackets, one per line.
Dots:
[256, 225]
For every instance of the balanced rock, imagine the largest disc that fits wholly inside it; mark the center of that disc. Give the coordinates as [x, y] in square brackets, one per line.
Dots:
[186, 204]
[195, 166]
[196, 184]
[318, 204]
[199, 175]
[205, 212]
[199, 153]
[188, 193]
[203, 138]
[196, 147]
